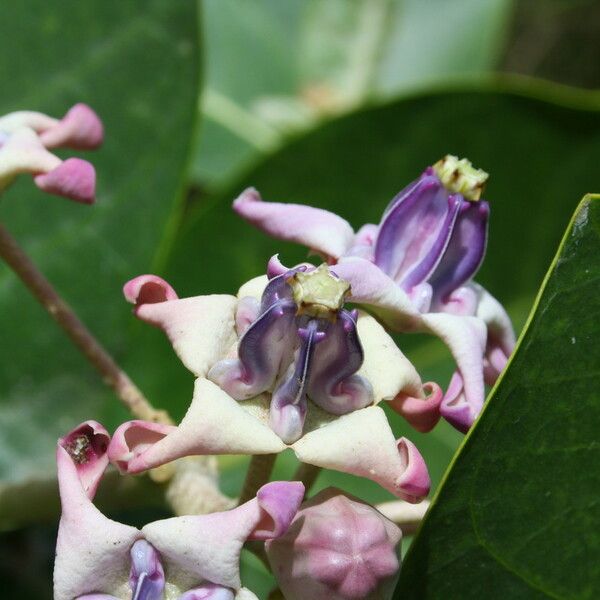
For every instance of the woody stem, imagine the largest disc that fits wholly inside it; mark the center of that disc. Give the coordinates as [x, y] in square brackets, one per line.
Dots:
[80, 335]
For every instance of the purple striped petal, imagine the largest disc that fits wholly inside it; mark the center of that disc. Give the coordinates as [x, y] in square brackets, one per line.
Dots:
[147, 577]
[464, 253]
[261, 353]
[334, 386]
[288, 404]
[414, 233]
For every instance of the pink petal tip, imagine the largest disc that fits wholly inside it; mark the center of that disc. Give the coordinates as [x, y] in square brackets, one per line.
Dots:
[74, 179]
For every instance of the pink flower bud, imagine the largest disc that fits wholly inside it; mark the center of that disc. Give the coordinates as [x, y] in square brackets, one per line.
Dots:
[337, 548]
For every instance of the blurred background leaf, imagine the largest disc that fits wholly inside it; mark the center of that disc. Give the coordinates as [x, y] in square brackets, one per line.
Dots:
[518, 513]
[139, 70]
[275, 68]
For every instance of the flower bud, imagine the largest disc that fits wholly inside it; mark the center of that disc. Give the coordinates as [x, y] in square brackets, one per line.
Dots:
[337, 548]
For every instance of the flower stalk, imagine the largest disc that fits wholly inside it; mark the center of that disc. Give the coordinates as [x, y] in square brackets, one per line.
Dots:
[259, 473]
[80, 335]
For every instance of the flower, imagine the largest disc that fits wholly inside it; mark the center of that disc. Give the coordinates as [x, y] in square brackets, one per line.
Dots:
[25, 138]
[414, 270]
[185, 558]
[337, 548]
[281, 365]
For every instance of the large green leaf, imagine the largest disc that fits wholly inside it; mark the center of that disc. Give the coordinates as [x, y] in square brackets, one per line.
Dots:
[518, 514]
[275, 67]
[538, 153]
[138, 67]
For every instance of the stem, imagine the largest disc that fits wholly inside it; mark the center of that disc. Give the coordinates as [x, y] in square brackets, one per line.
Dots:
[258, 474]
[407, 516]
[307, 474]
[63, 314]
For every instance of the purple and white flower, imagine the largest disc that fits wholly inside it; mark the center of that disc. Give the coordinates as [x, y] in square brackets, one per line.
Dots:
[281, 365]
[414, 270]
[26, 138]
[182, 558]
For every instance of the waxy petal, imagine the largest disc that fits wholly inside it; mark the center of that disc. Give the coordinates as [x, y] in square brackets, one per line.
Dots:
[208, 546]
[466, 339]
[201, 431]
[87, 445]
[201, 329]
[333, 383]
[464, 253]
[422, 413]
[324, 232]
[362, 443]
[370, 285]
[148, 289]
[262, 351]
[363, 244]
[24, 153]
[26, 118]
[92, 552]
[80, 129]
[385, 367]
[74, 179]
[415, 232]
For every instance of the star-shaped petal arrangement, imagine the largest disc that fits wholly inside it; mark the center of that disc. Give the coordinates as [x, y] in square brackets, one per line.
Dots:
[181, 558]
[271, 376]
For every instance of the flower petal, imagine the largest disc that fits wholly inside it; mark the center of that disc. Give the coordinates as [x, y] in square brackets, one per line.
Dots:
[208, 591]
[201, 329]
[371, 286]
[466, 339]
[207, 547]
[415, 232]
[464, 253]
[422, 413]
[92, 552]
[384, 365]
[26, 118]
[363, 444]
[201, 431]
[80, 129]
[74, 179]
[320, 230]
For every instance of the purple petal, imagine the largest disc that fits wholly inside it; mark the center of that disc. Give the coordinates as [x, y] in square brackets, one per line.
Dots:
[262, 350]
[279, 501]
[455, 407]
[75, 179]
[147, 577]
[422, 413]
[464, 253]
[288, 404]
[415, 232]
[209, 591]
[333, 384]
[320, 230]
[80, 129]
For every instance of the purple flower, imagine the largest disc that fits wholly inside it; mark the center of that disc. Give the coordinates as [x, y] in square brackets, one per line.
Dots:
[284, 364]
[189, 558]
[415, 269]
[25, 140]
[337, 548]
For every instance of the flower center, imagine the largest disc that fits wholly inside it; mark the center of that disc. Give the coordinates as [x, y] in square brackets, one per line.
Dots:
[318, 293]
[79, 449]
[461, 177]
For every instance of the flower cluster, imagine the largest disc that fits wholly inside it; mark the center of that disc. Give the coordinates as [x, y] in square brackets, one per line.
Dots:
[300, 358]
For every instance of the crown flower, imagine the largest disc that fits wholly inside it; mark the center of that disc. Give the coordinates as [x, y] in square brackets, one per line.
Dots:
[184, 558]
[414, 270]
[26, 138]
[284, 364]
[337, 548]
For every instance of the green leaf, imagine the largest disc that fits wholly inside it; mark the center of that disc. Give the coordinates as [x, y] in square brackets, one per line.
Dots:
[535, 150]
[518, 514]
[139, 70]
[277, 67]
